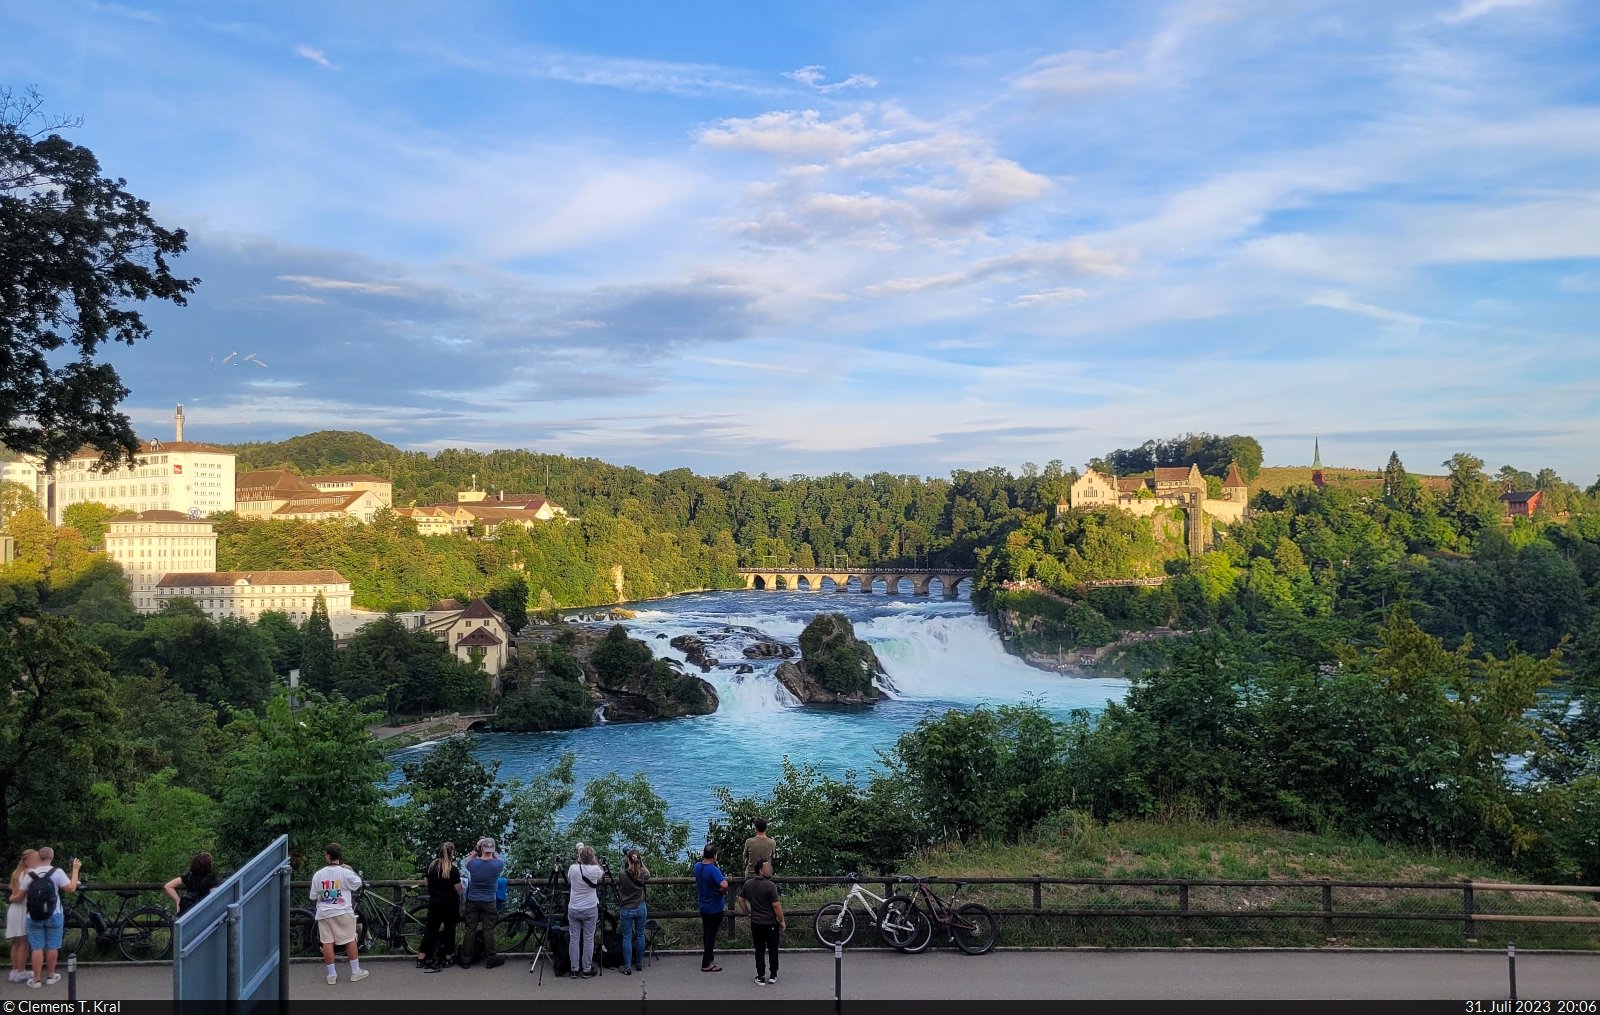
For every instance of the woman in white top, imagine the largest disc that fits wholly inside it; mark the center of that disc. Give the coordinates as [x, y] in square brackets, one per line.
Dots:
[17, 918]
[583, 911]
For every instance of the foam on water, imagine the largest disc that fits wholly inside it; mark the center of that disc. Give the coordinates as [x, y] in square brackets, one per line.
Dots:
[937, 653]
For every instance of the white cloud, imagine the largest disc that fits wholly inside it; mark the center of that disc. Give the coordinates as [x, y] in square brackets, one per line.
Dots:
[814, 77]
[645, 75]
[1344, 301]
[1078, 72]
[316, 56]
[316, 282]
[790, 134]
[1049, 298]
[1471, 10]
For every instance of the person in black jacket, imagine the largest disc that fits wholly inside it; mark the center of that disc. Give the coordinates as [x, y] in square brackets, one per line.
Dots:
[196, 884]
[444, 911]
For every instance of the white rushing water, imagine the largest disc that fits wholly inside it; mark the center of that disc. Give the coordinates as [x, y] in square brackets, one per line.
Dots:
[938, 655]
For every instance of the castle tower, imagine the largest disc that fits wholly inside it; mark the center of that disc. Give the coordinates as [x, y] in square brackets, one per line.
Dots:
[178, 419]
[1234, 488]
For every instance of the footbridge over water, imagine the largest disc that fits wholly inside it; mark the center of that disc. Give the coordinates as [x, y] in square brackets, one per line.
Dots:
[813, 580]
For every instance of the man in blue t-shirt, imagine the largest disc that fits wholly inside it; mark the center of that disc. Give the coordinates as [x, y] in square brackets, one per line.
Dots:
[483, 872]
[712, 886]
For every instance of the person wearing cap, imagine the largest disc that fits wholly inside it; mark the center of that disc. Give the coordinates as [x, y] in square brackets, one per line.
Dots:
[483, 873]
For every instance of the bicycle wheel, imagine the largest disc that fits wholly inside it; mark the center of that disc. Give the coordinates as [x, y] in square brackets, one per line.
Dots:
[835, 924]
[303, 938]
[513, 932]
[405, 933]
[146, 935]
[974, 929]
[417, 923]
[903, 926]
[74, 933]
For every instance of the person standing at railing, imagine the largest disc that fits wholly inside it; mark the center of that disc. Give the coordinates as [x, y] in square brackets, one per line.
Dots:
[583, 911]
[42, 890]
[759, 901]
[17, 917]
[632, 911]
[757, 849]
[444, 911]
[334, 889]
[711, 886]
[482, 905]
[196, 884]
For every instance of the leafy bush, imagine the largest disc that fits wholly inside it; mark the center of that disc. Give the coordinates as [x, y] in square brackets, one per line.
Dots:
[619, 658]
[560, 702]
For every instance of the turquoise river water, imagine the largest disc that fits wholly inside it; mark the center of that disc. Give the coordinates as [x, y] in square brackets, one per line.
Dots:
[938, 654]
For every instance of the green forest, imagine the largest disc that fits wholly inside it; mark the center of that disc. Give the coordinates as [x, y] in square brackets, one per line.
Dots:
[1396, 662]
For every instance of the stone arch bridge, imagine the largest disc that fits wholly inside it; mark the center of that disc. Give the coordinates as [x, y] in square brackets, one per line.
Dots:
[815, 580]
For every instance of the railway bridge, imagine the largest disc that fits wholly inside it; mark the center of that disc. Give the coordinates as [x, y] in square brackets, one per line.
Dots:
[817, 579]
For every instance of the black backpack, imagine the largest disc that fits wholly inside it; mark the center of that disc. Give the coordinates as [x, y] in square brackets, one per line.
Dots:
[42, 895]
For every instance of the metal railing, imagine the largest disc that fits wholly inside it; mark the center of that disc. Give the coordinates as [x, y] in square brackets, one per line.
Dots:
[1158, 912]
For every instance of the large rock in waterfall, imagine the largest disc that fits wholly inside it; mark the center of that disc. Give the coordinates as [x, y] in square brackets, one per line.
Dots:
[835, 668]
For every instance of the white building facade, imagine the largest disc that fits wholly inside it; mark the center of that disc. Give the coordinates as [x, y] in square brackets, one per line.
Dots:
[183, 476]
[153, 544]
[249, 594]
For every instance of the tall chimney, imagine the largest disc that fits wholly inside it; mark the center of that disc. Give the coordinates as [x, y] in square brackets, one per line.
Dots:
[179, 419]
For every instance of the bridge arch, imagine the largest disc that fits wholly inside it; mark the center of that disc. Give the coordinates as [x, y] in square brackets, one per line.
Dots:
[479, 724]
[950, 584]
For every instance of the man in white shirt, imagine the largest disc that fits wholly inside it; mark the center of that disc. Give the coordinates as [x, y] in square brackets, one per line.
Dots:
[334, 888]
[44, 936]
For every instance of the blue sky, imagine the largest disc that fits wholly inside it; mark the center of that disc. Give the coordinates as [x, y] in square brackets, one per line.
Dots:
[828, 236]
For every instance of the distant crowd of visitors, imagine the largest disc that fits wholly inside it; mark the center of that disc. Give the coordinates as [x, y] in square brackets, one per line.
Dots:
[468, 896]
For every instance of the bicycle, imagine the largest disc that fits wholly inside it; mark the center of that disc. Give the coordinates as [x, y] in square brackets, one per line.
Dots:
[520, 926]
[377, 919]
[836, 922]
[144, 935]
[907, 926]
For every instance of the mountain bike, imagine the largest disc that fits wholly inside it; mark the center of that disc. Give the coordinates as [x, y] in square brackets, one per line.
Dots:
[836, 922]
[143, 935]
[523, 925]
[906, 924]
[377, 919]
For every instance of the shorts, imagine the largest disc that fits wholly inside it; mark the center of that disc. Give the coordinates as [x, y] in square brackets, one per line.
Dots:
[340, 928]
[17, 920]
[45, 935]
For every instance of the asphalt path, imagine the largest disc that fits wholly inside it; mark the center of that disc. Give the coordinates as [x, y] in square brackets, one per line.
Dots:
[1019, 975]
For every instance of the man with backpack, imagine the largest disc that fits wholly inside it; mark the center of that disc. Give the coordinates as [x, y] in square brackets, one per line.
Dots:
[46, 919]
[481, 906]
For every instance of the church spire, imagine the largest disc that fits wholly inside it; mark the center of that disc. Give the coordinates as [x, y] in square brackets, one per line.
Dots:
[1316, 451]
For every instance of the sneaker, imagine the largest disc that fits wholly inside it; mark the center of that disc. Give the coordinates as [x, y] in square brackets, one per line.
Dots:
[625, 971]
[53, 978]
[18, 976]
[590, 973]
[36, 984]
[772, 978]
[494, 963]
[762, 980]
[333, 977]
[360, 976]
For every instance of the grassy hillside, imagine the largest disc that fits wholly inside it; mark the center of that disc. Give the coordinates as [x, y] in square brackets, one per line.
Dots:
[1277, 479]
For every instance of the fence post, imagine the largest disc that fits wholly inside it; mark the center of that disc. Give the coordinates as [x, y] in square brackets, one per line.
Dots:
[1327, 911]
[235, 957]
[1183, 907]
[283, 935]
[1468, 925]
[1038, 893]
[72, 977]
[838, 978]
[1511, 961]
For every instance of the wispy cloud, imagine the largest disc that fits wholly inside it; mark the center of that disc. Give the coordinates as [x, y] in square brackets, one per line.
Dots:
[688, 79]
[316, 56]
[314, 282]
[1471, 10]
[815, 77]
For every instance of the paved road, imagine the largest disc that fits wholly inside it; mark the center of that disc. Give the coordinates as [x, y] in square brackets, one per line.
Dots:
[1001, 975]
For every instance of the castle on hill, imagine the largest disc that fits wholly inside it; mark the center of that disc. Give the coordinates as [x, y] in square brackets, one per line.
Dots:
[1166, 488]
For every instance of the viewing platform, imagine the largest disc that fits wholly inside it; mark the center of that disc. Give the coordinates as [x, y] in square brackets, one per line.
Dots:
[815, 580]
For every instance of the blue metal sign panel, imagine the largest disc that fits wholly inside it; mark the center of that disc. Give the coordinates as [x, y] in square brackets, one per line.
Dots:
[233, 945]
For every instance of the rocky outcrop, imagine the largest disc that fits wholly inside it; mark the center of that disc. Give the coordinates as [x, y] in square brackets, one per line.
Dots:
[835, 668]
[1014, 630]
[768, 650]
[695, 650]
[629, 683]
